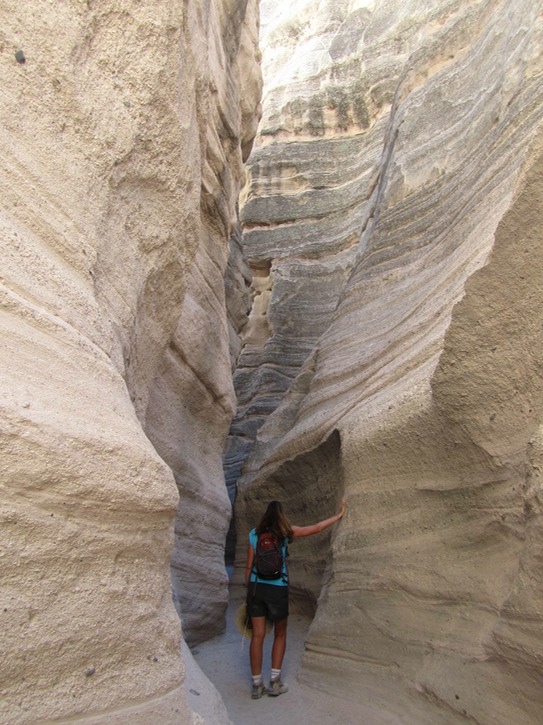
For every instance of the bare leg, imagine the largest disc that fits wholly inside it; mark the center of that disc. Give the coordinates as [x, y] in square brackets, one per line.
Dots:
[279, 644]
[257, 644]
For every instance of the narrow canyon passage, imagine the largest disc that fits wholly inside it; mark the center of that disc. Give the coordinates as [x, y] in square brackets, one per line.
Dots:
[271, 250]
[381, 202]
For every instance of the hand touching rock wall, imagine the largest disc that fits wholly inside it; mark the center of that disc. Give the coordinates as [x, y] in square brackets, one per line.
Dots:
[428, 374]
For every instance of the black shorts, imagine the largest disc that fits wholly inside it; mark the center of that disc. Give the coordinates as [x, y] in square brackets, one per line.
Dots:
[267, 600]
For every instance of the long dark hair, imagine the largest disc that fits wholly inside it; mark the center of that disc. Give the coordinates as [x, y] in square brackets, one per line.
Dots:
[275, 520]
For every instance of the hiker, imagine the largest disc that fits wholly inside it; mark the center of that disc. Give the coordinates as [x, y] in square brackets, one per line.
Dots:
[266, 577]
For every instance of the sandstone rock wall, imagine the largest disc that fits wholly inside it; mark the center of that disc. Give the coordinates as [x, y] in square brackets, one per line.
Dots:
[124, 125]
[197, 367]
[428, 375]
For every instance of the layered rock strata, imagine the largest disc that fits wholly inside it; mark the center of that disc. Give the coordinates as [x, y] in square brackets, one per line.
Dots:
[301, 215]
[424, 391]
[124, 127]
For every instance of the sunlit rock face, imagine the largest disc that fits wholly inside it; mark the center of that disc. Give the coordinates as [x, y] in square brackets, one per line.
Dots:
[306, 196]
[124, 125]
[424, 392]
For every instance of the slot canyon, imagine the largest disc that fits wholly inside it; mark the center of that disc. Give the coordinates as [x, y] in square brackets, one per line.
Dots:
[271, 250]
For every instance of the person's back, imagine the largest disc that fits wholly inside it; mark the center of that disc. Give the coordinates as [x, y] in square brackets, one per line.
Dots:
[270, 556]
[266, 577]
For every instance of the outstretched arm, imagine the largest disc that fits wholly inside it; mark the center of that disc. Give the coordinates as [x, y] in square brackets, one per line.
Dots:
[298, 531]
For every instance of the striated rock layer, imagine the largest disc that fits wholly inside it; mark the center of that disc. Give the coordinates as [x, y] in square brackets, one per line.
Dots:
[124, 126]
[422, 399]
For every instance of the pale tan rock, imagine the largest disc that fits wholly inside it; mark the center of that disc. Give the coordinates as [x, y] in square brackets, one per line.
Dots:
[192, 399]
[190, 410]
[428, 379]
[331, 77]
[122, 135]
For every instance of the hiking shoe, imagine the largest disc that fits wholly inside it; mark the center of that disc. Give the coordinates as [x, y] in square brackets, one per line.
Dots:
[258, 691]
[277, 688]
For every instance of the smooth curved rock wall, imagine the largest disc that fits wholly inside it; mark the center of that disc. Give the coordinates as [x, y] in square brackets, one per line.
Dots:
[123, 131]
[429, 371]
[197, 366]
[332, 72]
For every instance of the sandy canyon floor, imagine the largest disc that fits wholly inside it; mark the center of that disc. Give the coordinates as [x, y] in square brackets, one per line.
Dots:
[225, 661]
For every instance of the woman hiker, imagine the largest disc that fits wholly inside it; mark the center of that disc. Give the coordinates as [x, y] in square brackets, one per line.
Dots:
[268, 597]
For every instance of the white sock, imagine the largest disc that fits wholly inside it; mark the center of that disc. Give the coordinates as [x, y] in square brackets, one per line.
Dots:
[275, 674]
[257, 679]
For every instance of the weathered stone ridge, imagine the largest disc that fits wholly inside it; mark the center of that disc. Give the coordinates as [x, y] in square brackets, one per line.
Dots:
[428, 370]
[124, 127]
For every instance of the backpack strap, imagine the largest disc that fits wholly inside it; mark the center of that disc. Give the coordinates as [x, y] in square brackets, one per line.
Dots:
[284, 575]
[253, 568]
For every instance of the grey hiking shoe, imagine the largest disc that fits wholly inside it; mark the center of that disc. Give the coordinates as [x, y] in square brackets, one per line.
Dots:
[258, 691]
[277, 688]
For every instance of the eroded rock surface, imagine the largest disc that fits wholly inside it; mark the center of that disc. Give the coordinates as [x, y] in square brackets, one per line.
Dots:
[428, 374]
[124, 125]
